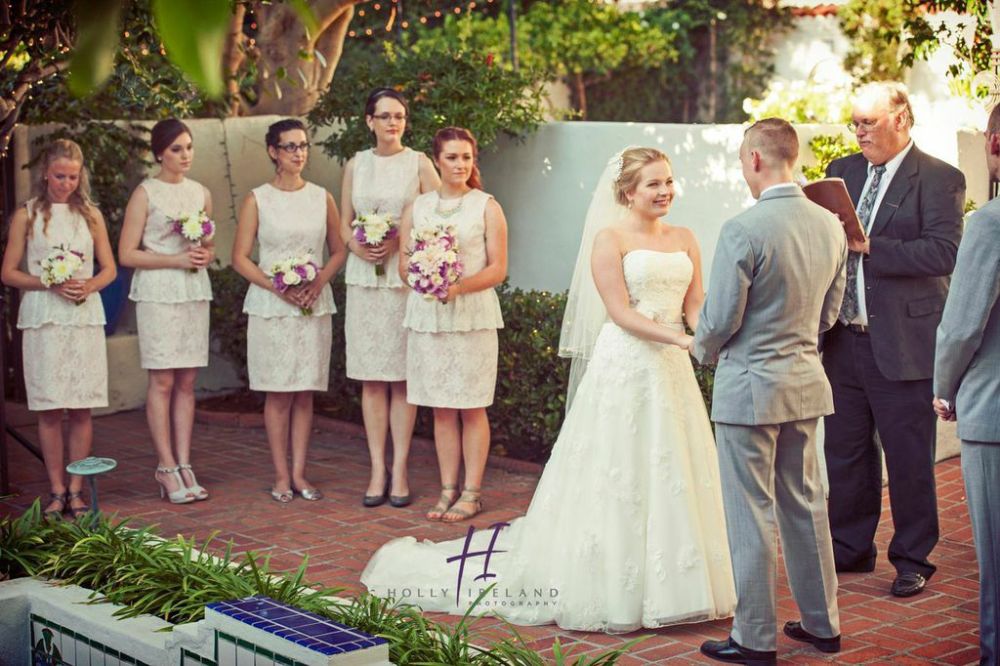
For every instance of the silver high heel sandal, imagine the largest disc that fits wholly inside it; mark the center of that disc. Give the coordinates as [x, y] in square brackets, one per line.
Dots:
[180, 496]
[195, 489]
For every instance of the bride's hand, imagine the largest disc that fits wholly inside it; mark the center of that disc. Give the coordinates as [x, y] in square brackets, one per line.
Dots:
[685, 342]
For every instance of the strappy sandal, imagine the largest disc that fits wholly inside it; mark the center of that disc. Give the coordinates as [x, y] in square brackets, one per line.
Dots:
[199, 493]
[444, 502]
[76, 511]
[54, 498]
[469, 496]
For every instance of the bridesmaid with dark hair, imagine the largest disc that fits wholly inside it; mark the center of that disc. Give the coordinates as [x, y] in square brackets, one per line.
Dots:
[382, 179]
[172, 293]
[289, 331]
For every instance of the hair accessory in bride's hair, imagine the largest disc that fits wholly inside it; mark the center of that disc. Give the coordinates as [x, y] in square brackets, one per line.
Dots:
[618, 159]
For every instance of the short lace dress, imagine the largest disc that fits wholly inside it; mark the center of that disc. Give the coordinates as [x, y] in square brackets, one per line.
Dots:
[451, 348]
[288, 350]
[65, 355]
[171, 303]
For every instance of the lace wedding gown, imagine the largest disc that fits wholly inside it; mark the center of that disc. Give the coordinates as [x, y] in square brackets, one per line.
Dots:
[626, 527]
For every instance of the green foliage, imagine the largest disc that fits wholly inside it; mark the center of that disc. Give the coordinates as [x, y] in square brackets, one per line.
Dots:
[826, 148]
[531, 378]
[174, 579]
[530, 402]
[803, 102]
[723, 53]
[194, 33]
[444, 86]
[875, 30]
[116, 159]
[581, 40]
[924, 35]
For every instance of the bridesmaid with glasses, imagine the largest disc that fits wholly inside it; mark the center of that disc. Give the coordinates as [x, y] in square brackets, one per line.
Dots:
[289, 330]
[382, 179]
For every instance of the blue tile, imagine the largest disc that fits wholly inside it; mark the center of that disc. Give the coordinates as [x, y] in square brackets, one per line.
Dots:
[329, 649]
[298, 621]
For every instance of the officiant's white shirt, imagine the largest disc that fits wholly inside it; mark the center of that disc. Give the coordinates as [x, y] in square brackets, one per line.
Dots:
[891, 167]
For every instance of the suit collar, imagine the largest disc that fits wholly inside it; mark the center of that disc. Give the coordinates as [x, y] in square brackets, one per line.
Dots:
[781, 191]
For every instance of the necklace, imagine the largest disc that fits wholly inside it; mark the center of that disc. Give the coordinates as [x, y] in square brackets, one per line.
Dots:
[446, 213]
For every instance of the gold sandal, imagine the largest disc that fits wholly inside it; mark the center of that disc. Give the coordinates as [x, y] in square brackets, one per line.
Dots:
[469, 496]
[444, 502]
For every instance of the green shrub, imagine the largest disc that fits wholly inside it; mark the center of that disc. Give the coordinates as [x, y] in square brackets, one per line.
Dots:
[826, 148]
[444, 86]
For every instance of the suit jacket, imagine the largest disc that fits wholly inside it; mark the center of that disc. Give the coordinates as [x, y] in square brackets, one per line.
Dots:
[777, 281]
[914, 241]
[967, 359]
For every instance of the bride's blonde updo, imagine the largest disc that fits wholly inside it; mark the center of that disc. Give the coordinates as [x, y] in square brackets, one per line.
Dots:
[631, 163]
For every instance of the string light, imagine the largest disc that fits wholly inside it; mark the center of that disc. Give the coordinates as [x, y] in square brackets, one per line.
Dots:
[423, 20]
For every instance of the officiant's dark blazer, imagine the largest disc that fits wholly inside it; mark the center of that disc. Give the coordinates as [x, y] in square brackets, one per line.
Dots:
[914, 242]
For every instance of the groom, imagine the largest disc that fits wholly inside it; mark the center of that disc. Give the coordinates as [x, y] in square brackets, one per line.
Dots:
[777, 281]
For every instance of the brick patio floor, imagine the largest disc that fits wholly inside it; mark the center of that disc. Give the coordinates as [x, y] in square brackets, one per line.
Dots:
[338, 534]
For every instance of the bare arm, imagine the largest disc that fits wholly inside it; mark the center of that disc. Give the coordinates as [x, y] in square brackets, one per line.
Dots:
[129, 252]
[695, 295]
[606, 266]
[429, 179]
[246, 235]
[17, 237]
[405, 231]
[495, 270]
[102, 255]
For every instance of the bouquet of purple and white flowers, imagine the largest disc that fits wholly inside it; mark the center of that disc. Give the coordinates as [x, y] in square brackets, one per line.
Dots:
[374, 229]
[59, 266]
[292, 273]
[195, 228]
[434, 264]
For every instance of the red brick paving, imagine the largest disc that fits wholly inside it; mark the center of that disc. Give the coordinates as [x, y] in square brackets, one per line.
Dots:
[338, 535]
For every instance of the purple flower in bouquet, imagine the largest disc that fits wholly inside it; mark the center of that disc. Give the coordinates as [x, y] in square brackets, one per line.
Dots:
[373, 229]
[293, 273]
[434, 264]
[195, 228]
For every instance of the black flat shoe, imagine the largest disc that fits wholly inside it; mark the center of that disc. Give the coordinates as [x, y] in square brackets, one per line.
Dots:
[795, 631]
[732, 652]
[907, 584]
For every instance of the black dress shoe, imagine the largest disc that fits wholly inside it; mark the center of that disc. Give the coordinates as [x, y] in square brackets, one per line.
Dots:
[371, 501]
[795, 631]
[732, 652]
[908, 583]
[399, 501]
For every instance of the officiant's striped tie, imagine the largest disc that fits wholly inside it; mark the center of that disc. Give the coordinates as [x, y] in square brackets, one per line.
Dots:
[849, 308]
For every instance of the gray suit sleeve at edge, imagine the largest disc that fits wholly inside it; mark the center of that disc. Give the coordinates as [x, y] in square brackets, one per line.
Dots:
[834, 295]
[973, 294]
[726, 299]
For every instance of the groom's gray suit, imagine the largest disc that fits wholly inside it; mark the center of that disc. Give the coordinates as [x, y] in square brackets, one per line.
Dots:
[777, 282]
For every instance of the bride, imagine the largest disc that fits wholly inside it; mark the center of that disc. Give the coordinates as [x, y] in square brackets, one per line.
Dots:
[626, 527]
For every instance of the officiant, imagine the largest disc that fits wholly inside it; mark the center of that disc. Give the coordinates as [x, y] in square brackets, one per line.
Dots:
[879, 357]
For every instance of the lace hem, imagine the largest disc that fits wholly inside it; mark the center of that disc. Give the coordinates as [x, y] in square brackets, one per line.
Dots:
[360, 273]
[262, 303]
[470, 312]
[170, 285]
[40, 308]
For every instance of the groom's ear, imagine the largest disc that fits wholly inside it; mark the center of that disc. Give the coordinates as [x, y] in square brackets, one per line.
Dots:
[994, 139]
[755, 160]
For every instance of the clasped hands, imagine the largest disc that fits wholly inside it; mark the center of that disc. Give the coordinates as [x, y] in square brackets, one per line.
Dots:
[374, 254]
[75, 291]
[195, 257]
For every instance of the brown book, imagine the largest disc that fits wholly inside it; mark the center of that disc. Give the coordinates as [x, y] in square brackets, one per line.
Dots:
[832, 194]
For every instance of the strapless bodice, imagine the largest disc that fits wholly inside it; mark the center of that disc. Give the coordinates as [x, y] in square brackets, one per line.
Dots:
[657, 282]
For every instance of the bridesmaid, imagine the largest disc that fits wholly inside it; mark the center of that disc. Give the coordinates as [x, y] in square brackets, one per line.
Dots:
[381, 179]
[65, 357]
[451, 348]
[172, 292]
[289, 333]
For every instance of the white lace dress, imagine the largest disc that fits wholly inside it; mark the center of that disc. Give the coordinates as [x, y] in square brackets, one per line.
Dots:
[287, 350]
[451, 348]
[65, 355]
[626, 528]
[171, 303]
[373, 318]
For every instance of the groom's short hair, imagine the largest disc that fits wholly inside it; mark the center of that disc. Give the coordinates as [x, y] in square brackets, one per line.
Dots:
[775, 139]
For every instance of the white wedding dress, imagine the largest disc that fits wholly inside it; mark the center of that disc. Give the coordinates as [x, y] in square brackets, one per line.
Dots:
[626, 528]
